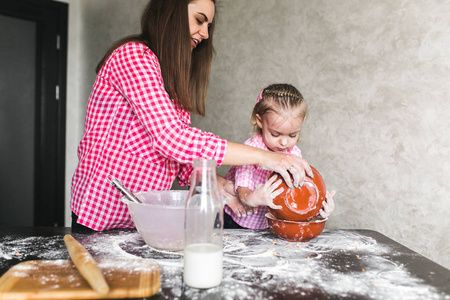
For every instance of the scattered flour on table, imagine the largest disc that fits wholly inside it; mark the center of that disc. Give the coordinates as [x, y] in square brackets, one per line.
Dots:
[342, 263]
[29, 255]
[14, 248]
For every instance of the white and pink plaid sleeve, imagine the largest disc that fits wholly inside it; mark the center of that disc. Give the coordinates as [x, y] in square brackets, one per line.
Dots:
[136, 133]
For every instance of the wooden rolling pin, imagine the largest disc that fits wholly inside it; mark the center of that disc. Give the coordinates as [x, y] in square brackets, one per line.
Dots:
[86, 265]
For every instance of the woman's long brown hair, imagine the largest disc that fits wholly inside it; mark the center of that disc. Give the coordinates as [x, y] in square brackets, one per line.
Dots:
[185, 72]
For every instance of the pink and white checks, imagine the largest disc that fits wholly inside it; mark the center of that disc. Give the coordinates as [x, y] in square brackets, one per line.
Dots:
[251, 176]
[136, 133]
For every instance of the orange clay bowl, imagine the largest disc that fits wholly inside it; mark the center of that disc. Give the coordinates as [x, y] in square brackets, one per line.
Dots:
[296, 231]
[302, 203]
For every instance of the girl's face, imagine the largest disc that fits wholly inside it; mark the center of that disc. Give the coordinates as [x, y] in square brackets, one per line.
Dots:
[201, 14]
[280, 132]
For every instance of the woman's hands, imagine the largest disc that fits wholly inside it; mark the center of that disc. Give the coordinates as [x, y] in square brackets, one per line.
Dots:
[284, 164]
[327, 205]
[287, 165]
[245, 202]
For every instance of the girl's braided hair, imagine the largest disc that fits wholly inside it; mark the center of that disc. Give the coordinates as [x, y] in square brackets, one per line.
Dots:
[280, 98]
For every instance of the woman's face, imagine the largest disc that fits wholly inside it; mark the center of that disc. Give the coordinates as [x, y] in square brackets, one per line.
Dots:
[280, 132]
[201, 14]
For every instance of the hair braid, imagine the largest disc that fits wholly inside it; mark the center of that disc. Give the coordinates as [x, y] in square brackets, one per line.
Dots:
[278, 98]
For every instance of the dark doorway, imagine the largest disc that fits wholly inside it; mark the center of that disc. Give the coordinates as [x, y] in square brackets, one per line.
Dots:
[33, 59]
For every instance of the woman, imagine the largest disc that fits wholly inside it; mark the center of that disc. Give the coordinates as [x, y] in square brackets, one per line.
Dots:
[138, 116]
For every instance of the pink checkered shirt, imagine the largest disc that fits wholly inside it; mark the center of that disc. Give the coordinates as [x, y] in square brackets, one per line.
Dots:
[251, 176]
[134, 132]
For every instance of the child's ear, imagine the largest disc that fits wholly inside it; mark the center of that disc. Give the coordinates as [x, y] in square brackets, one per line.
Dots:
[259, 121]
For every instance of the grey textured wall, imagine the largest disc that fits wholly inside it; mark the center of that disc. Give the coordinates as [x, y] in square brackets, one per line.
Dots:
[375, 75]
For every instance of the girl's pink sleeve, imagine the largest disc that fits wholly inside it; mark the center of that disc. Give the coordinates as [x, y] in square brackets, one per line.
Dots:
[244, 177]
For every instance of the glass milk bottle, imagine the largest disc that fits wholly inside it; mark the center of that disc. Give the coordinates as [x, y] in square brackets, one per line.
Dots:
[203, 228]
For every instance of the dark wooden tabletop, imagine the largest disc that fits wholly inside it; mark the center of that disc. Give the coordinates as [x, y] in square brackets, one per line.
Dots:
[339, 264]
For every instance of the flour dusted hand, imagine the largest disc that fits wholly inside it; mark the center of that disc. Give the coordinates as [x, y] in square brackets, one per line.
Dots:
[263, 195]
[327, 205]
[287, 165]
[241, 210]
[226, 190]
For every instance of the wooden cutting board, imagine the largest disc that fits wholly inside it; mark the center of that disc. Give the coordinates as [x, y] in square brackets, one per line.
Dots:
[60, 279]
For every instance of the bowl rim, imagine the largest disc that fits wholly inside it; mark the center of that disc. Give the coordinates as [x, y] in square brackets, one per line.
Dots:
[306, 182]
[128, 202]
[314, 220]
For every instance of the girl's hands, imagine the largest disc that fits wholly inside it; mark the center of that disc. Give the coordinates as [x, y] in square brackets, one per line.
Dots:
[263, 195]
[327, 205]
[226, 189]
[287, 165]
[239, 209]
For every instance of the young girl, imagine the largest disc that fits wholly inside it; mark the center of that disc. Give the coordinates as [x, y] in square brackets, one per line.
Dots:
[277, 120]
